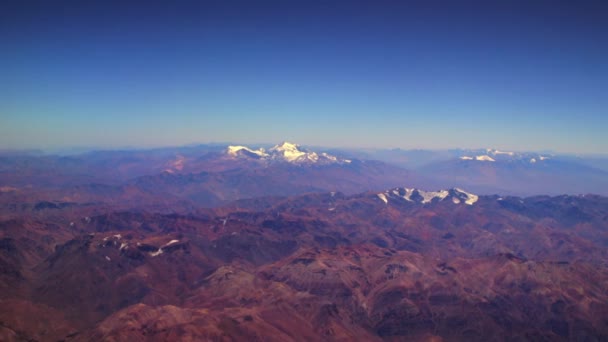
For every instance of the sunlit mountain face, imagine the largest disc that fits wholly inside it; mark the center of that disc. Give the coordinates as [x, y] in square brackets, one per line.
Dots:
[303, 171]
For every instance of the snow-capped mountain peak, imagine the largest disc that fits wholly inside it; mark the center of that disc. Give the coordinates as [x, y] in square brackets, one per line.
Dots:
[291, 152]
[286, 146]
[493, 155]
[456, 195]
[479, 158]
[237, 150]
[496, 152]
[285, 152]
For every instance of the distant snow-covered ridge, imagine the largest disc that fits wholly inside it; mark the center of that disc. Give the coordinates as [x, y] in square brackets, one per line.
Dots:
[479, 158]
[492, 155]
[456, 195]
[287, 152]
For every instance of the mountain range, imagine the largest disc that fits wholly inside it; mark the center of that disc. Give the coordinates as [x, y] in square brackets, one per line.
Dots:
[282, 243]
[285, 152]
[398, 264]
[296, 170]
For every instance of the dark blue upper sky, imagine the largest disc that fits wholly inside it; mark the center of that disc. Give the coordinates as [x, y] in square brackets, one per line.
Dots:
[523, 75]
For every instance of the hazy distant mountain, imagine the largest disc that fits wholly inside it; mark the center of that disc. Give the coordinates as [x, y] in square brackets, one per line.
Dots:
[286, 169]
[285, 152]
[214, 174]
[492, 171]
[517, 173]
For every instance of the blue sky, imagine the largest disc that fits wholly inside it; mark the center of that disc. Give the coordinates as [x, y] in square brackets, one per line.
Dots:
[520, 75]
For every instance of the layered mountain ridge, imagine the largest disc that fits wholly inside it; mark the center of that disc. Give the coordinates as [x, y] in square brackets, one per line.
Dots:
[454, 195]
[285, 152]
[493, 155]
[483, 171]
[217, 243]
[319, 266]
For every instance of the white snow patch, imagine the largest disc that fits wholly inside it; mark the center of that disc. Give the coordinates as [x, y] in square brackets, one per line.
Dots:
[408, 194]
[123, 246]
[158, 252]
[533, 160]
[312, 156]
[108, 258]
[466, 158]
[455, 200]
[288, 151]
[544, 158]
[382, 197]
[484, 158]
[233, 151]
[471, 198]
[502, 152]
[118, 236]
[328, 156]
[428, 196]
[171, 242]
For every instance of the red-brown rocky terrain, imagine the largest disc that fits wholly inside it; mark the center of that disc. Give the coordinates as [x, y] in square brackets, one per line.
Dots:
[400, 264]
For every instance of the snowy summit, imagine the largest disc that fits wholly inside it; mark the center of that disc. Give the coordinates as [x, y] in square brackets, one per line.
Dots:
[285, 152]
[492, 155]
[456, 195]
